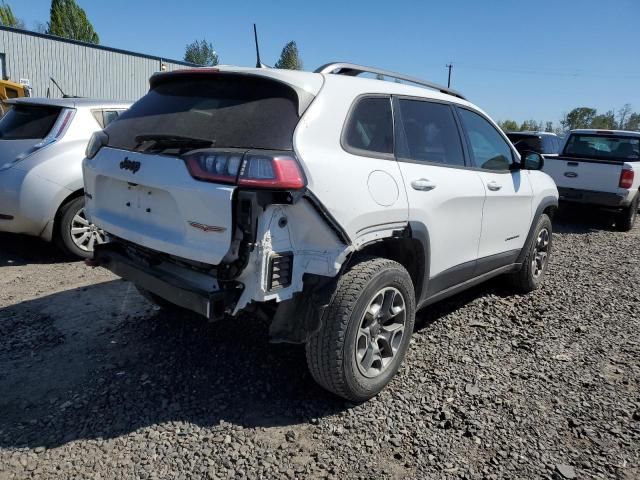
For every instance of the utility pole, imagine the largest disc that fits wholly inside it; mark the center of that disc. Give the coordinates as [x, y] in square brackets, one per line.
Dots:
[450, 67]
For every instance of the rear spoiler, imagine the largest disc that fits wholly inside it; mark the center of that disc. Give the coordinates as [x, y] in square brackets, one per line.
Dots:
[304, 97]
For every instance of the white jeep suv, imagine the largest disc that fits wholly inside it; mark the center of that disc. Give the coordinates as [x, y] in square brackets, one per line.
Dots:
[337, 204]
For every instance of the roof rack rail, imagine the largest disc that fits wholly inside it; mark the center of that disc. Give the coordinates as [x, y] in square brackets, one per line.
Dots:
[353, 70]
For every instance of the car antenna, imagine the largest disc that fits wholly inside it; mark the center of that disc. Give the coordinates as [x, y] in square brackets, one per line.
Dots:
[64, 95]
[259, 64]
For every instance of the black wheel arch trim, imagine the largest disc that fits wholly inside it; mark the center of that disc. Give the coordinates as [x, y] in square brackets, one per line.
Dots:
[542, 206]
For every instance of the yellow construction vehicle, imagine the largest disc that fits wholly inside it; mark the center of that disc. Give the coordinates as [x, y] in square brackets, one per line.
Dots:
[9, 89]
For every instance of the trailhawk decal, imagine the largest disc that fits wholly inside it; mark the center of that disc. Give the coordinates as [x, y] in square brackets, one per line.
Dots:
[207, 228]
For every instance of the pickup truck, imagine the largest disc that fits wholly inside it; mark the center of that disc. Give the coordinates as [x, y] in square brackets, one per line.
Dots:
[600, 168]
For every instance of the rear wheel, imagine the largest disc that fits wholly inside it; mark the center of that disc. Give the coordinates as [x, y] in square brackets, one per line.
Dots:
[365, 330]
[627, 217]
[75, 235]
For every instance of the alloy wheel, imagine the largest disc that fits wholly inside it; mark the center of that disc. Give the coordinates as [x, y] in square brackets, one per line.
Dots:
[540, 253]
[380, 332]
[84, 234]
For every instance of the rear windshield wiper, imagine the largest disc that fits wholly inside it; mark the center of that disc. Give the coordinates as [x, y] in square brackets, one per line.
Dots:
[164, 141]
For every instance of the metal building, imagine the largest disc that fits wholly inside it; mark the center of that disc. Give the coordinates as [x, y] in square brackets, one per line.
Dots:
[81, 69]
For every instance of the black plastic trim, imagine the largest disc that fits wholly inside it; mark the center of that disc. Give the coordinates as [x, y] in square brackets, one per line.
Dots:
[420, 232]
[492, 262]
[467, 284]
[6, 217]
[210, 304]
[545, 203]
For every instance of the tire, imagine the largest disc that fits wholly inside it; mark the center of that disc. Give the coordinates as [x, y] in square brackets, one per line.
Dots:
[536, 260]
[627, 217]
[75, 244]
[337, 353]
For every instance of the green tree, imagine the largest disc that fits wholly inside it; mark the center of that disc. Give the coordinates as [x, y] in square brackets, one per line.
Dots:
[623, 115]
[548, 127]
[580, 117]
[509, 126]
[7, 18]
[68, 20]
[530, 126]
[290, 57]
[633, 122]
[202, 53]
[605, 121]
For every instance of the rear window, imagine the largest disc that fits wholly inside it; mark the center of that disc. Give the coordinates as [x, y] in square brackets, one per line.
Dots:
[226, 109]
[526, 142]
[606, 147]
[28, 122]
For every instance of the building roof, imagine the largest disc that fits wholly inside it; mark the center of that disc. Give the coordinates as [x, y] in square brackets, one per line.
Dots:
[93, 45]
[69, 102]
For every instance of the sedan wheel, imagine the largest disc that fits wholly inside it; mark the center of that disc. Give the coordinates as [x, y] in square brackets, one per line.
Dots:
[74, 233]
[84, 234]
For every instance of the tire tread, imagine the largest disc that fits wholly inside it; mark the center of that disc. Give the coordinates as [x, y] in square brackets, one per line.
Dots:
[325, 349]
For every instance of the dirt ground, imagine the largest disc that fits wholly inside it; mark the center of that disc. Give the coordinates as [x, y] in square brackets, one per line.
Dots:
[96, 383]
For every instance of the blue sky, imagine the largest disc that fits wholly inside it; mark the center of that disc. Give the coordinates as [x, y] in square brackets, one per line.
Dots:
[514, 59]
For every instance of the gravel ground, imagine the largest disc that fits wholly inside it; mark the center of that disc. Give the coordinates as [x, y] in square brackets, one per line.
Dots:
[97, 384]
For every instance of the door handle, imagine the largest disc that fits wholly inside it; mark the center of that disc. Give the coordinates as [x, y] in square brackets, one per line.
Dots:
[423, 185]
[494, 186]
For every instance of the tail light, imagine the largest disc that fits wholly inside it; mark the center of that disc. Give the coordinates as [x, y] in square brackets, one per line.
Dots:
[626, 179]
[269, 170]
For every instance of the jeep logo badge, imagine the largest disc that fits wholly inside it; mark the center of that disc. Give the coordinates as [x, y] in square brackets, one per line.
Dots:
[127, 164]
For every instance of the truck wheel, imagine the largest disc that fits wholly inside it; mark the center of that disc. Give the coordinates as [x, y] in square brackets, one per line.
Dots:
[536, 260]
[365, 330]
[627, 217]
[75, 235]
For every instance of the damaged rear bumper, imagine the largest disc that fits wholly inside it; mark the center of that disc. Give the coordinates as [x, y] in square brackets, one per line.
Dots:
[212, 304]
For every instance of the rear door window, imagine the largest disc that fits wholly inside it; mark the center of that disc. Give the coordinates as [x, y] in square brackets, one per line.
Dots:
[369, 128]
[28, 122]
[227, 110]
[430, 133]
[489, 149]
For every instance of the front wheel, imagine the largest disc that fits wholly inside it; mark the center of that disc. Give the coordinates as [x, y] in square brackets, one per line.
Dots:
[75, 235]
[536, 260]
[365, 330]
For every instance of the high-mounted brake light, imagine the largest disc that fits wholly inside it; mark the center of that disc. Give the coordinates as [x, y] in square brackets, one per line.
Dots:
[626, 179]
[268, 170]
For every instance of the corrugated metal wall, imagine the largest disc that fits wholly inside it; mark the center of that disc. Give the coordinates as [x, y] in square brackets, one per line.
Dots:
[79, 69]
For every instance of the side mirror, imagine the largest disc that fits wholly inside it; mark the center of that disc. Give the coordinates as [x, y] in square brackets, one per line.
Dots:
[532, 161]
